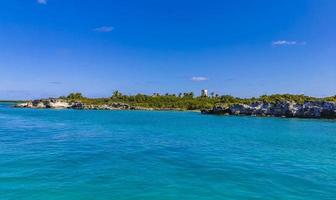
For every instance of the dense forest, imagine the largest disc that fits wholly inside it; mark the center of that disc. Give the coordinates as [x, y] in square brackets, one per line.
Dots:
[187, 101]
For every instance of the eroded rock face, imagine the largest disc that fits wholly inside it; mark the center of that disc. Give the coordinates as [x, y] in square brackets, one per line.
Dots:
[63, 104]
[113, 106]
[77, 105]
[121, 106]
[279, 109]
[45, 103]
[57, 104]
[21, 105]
[241, 109]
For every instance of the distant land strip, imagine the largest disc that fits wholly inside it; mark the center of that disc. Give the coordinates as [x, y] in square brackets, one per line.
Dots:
[277, 105]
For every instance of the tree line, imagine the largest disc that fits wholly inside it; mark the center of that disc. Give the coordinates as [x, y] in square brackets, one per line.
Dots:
[188, 100]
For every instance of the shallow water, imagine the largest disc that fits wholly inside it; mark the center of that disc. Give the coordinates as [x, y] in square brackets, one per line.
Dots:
[69, 154]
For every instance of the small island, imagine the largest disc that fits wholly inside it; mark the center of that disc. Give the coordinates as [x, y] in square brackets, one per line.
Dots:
[278, 105]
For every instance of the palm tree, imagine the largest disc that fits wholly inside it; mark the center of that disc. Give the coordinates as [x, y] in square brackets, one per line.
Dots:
[116, 94]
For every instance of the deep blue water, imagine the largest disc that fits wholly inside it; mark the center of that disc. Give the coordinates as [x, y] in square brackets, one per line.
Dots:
[69, 154]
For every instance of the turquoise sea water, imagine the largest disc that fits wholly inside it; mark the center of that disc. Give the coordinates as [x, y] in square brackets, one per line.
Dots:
[89, 155]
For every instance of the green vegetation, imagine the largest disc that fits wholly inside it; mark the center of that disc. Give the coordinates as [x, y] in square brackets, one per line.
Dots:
[187, 101]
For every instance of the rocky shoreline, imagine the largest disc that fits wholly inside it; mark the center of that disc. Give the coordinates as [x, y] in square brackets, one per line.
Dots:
[64, 104]
[311, 109]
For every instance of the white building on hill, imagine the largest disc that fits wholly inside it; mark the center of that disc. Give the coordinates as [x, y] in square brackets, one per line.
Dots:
[204, 93]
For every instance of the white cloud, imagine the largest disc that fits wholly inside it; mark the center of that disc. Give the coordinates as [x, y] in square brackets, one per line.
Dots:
[104, 29]
[42, 1]
[199, 78]
[287, 43]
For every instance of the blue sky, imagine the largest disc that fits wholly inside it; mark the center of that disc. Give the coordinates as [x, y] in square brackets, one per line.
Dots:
[238, 47]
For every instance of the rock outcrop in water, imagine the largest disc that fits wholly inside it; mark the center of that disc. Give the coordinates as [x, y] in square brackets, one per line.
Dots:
[45, 103]
[318, 109]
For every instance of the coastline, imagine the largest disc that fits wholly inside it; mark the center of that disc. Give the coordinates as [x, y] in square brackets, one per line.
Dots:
[52, 103]
[286, 109]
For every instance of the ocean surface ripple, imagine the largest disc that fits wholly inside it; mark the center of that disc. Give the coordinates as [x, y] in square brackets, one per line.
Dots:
[69, 154]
